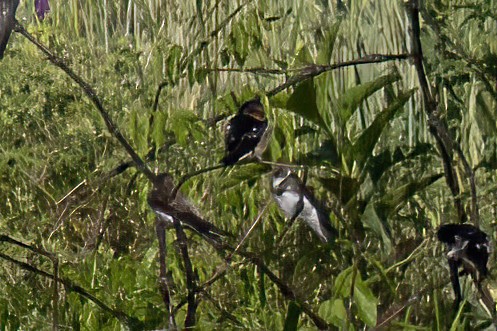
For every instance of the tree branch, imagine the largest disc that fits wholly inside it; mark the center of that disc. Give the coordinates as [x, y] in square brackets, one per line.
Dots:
[190, 319]
[437, 127]
[132, 322]
[92, 95]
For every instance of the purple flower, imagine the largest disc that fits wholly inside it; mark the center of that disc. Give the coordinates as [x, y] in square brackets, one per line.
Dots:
[42, 7]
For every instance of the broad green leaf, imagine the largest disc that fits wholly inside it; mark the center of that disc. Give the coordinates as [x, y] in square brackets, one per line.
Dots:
[366, 302]
[239, 174]
[292, 317]
[364, 145]
[327, 45]
[303, 102]
[393, 199]
[350, 100]
[185, 123]
[139, 130]
[378, 225]
[173, 63]
[343, 283]
[326, 153]
[333, 311]
[379, 164]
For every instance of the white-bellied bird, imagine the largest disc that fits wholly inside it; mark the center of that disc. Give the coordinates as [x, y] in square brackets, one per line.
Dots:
[247, 133]
[7, 21]
[297, 202]
[468, 248]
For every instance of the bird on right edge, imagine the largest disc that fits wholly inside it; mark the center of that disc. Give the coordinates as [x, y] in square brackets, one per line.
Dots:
[7, 21]
[297, 201]
[469, 248]
[247, 133]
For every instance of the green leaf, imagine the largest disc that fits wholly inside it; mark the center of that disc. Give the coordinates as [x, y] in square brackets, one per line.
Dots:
[292, 317]
[364, 145]
[325, 50]
[456, 322]
[326, 153]
[354, 96]
[366, 302]
[333, 311]
[303, 102]
[185, 123]
[343, 283]
[378, 225]
[399, 196]
[139, 130]
[173, 63]
[379, 164]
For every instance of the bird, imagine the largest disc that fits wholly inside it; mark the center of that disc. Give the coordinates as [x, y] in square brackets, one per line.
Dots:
[247, 133]
[180, 209]
[469, 248]
[7, 21]
[297, 202]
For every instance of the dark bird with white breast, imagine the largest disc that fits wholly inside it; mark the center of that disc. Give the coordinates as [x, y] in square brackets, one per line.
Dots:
[247, 133]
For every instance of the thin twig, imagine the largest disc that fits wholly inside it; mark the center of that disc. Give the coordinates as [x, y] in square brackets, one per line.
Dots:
[249, 231]
[190, 175]
[316, 70]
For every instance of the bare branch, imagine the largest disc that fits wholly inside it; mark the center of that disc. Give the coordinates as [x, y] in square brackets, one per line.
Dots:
[132, 322]
[163, 283]
[92, 95]
[437, 127]
[190, 319]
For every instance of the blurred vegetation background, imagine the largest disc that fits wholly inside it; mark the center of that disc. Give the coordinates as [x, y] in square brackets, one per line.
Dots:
[361, 131]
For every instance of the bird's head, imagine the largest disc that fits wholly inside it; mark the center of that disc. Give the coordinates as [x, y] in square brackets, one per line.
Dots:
[253, 108]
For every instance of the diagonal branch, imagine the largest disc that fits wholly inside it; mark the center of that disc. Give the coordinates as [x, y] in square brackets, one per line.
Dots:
[92, 95]
[132, 322]
[316, 70]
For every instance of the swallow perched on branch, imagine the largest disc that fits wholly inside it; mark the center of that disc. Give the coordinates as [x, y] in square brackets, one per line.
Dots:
[180, 208]
[247, 133]
[469, 249]
[7, 21]
[296, 201]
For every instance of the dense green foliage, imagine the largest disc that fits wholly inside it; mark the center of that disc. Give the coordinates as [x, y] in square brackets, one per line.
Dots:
[360, 130]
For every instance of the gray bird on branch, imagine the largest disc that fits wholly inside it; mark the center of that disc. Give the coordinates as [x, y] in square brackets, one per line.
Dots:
[180, 209]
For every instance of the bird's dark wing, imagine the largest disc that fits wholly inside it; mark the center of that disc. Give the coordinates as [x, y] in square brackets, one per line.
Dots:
[242, 136]
[448, 232]
[199, 225]
[7, 20]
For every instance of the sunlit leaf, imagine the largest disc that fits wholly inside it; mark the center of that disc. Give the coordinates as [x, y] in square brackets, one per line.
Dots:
[364, 145]
[350, 100]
